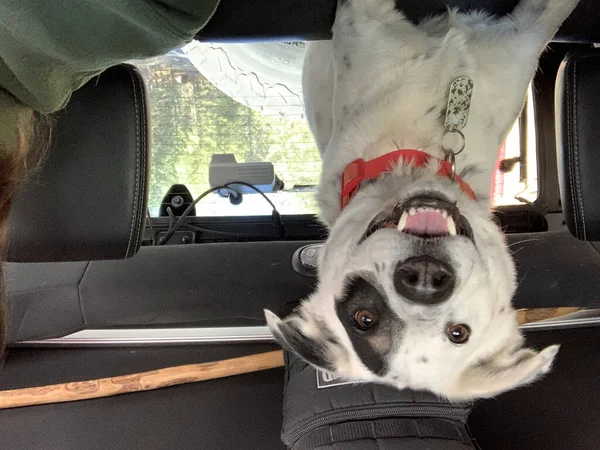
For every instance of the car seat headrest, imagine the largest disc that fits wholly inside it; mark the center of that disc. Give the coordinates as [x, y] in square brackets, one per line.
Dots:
[577, 109]
[88, 201]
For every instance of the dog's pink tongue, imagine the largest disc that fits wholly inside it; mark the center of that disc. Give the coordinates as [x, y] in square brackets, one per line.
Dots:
[427, 222]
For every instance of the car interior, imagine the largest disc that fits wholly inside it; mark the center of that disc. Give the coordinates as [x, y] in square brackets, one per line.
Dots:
[99, 282]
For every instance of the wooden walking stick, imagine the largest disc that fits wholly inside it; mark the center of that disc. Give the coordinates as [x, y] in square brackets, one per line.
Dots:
[190, 373]
[136, 382]
[536, 314]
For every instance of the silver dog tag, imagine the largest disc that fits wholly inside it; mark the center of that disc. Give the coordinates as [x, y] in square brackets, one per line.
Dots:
[459, 102]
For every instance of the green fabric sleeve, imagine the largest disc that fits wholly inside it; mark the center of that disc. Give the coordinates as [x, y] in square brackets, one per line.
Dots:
[49, 48]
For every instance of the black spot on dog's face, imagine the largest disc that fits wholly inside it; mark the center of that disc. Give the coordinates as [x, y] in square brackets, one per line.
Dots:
[312, 351]
[373, 345]
[318, 349]
[331, 340]
[423, 360]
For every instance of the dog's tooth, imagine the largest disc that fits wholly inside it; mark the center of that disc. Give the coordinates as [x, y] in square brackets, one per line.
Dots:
[412, 211]
[451, 226]
[402, 221]
[445, 214]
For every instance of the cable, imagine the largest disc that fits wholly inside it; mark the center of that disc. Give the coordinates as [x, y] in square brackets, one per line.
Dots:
[255, 189]
[275, 216]
[171, 216]
[221, 233]
[149, 220]
[197, 228]
[173, 227]
[217, 232]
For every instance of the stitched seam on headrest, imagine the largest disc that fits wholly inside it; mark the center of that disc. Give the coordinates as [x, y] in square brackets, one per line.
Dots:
[144, 164]
[141, 175]
[137, 162]
[573, 143]
[569, 145]
[576, 147]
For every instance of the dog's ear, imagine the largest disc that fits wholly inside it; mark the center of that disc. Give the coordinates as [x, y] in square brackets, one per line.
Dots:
[298, 335]
[507, 370]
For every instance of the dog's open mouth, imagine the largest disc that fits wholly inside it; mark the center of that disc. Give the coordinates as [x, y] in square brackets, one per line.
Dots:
[425, 217]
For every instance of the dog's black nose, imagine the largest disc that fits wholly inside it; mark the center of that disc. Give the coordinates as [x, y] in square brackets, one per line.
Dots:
[424, 279]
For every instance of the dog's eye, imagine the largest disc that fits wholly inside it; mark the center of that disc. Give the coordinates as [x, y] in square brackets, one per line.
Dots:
[458, 334]
[364, 319]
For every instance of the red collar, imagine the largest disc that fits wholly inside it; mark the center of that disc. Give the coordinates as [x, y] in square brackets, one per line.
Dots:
[360, 170]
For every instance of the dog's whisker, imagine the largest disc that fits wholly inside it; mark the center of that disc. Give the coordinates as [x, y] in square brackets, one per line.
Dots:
[523, 278]
[523, 241]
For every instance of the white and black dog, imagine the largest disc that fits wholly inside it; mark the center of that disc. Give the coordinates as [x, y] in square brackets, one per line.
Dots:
[415, 279]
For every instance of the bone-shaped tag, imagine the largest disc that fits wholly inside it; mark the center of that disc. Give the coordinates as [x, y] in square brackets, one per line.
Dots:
[459, 102]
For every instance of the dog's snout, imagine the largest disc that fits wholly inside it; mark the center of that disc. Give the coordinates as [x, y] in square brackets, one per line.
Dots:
[424, 279]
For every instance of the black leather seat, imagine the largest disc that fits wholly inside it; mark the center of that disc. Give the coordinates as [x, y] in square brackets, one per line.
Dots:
[88, 202]
[577, 136]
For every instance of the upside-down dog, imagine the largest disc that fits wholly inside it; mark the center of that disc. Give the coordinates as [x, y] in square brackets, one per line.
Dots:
[415, 279]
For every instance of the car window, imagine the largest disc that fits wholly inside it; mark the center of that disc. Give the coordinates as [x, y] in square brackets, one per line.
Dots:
[246, 100]
[518, 183]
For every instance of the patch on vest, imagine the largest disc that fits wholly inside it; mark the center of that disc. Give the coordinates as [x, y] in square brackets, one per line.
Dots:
[326, 379]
